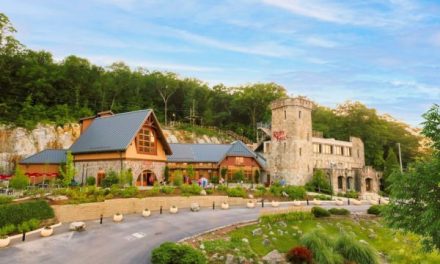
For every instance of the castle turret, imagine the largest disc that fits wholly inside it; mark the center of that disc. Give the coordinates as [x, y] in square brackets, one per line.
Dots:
[290, 156]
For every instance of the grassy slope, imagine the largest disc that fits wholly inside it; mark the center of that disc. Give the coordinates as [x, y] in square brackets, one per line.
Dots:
[397, 247]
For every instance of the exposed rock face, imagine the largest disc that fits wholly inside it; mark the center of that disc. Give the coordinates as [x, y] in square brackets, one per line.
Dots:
[18, 143]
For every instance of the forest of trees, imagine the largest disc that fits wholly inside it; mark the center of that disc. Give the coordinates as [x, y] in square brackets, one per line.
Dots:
[34, 88]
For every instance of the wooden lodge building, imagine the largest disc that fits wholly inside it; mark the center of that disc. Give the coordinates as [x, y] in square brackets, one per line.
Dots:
[134, 141]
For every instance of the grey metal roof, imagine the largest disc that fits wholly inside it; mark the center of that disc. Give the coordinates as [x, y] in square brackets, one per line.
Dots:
[48, 156]
[197, 152]
[238, 148]
[111, 133]
[211, 152]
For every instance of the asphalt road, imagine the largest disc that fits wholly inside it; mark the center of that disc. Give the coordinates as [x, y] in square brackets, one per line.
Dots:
[128, 242]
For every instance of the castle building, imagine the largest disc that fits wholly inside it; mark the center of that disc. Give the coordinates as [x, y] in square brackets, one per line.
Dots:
[294, 151]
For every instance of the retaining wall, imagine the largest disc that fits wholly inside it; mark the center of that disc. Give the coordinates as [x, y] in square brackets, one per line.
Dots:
[90, 211]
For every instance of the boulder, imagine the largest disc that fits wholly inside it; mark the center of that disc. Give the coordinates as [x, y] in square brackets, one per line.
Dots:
[257, 232]
[195, 207]
[274, 257]
[202, 192]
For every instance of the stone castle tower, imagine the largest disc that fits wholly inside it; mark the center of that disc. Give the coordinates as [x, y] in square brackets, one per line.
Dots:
[291, 147]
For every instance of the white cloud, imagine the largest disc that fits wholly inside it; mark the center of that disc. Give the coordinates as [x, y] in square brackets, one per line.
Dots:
[320, 42]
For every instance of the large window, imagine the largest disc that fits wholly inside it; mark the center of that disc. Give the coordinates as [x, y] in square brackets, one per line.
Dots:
[239, 160]
[326, 149]
[146, 141]
[316, 148]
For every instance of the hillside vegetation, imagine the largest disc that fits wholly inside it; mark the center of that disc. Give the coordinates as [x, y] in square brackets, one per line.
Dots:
[35, 88]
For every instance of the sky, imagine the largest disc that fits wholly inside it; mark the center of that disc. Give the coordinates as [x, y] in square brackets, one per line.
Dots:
[383, 53]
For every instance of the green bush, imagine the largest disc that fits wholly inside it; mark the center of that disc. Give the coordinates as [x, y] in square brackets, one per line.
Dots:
[320, 212]
[236, 192]
[110, 179]
[322, 197]
[19, 181]
[178, 178]
[6, 230]
[276, 189]
[222, 188]
[215, 179]
[172, 253]
[238, 176]
[295, 192]
[5, 199]
[167, 189]
[321, 247]
[354, 251]
[91, 181]
[129, 192]
[375, 209]
[293, 216]
[18, 213]
[352, 194]
[319, 183]
[339, 211]
[188, 189]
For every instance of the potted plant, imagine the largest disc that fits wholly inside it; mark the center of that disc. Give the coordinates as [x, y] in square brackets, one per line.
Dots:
[4, 238]
[46, 231]
[250, 204]
[225, 205]
[146, 212]
[174, 209]
[118, 217]
[275, 203]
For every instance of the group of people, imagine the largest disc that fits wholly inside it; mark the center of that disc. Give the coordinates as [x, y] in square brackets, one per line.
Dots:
[202, 181]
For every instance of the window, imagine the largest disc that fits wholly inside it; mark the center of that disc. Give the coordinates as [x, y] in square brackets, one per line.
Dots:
[358, 153]
[326, 149]
[285, 146]
[146, 142]
[338, 150]
[239, 160]
[248, 175]
[300, 151]
[316, 148]
[285, 115]
[347, 152]
[299, 114]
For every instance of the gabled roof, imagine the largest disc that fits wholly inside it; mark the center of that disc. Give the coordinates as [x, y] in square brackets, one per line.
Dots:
[211, 152]
[197, 152]
[115, 133]
[48, 156]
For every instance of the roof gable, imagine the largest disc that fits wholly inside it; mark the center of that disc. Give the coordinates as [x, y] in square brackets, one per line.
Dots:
[48, 156]
[115, 133]
[238, 148]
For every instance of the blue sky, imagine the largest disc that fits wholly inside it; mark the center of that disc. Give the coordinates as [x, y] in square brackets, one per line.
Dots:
[384, 53]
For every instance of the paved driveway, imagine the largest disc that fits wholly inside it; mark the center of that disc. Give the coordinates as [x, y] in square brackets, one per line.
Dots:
[129, 242]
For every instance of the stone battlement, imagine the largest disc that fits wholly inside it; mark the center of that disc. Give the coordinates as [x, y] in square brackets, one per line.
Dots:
[295, 101]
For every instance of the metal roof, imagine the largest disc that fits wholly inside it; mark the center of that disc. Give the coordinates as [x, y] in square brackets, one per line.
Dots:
[211, 152]
[115, 133]
[48, 156]
[198, 152]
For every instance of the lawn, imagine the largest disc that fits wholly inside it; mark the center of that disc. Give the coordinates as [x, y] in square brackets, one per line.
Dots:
[393, 246]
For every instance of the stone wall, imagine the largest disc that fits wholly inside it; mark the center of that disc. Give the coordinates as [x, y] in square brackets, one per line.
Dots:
[91, 211]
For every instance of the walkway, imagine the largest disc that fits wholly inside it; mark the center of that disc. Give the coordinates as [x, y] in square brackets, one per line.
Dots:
[128, 242]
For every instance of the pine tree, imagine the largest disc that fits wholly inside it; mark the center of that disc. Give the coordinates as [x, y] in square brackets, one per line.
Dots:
[391, 164]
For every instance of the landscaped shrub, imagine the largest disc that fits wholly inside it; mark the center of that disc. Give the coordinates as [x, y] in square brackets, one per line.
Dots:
[188, 189]
[91, 181]
[110, 179]
[299, 255]
[215, 180]
[320, 212]
[129, 192]
[339, 211]
[319, 183]
[18, 213]
[276, 189]
[321, 247]
[6, 230]
[322, 197]
[222, 188]
[293, 216]
[177, 178]
[375, 209]
[352, 194]
[295, 192]
[171, 253]
[236, 192]
[354, 251]
[238, 176]
[19, 181]
[166, 189]
[5, 199]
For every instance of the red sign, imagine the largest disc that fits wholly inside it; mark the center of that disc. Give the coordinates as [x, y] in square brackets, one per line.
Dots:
[279, 135]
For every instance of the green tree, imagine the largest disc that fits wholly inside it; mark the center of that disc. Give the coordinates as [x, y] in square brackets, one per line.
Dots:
[191, 172]
[319, 182]
[238, 176]
[126, 177]
[391, 164]
[69, 171]
[19, 181]
[415, 194]
[166, 174]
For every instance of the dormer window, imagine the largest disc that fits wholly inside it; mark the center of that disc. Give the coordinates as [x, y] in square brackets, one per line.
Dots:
[146, 140]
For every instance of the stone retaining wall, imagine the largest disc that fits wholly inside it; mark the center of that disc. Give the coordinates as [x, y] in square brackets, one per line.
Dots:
[90, 211]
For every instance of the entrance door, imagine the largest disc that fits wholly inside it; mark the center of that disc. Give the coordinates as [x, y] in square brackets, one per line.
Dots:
[146, 178]
[368, 185]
